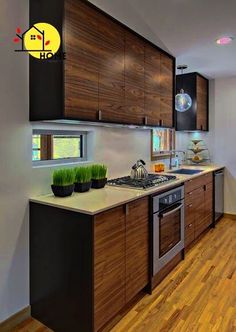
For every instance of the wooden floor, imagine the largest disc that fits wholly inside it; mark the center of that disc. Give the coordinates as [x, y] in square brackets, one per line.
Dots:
[199, 295]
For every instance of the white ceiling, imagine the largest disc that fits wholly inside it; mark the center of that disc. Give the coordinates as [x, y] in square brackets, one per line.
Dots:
[188, 28]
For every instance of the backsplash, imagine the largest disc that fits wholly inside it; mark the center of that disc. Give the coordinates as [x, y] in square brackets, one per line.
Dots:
[118, 148]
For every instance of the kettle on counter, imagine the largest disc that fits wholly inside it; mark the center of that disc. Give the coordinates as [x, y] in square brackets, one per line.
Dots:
[138, 170]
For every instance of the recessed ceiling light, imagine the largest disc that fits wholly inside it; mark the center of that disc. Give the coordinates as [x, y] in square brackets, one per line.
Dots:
[224, 40]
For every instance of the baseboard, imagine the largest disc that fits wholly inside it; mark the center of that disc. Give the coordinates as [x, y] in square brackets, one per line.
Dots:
[10, 323]
[230, 216]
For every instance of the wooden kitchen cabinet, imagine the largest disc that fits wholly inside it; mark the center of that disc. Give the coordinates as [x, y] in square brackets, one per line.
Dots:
[152, 85]
[166, 86]
[196, 118]
[202, 103]
[84, 269]
[82, 65]
[111, 74]
[109, 265]
[136, 247]
[120, 258]
[111, 70]
[134, 79]
[159, 85]
[198, 206]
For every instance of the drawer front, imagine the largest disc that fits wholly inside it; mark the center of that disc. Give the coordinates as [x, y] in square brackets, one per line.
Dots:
[192, 196]
[195, 183]
[207, 178]
[189, 214]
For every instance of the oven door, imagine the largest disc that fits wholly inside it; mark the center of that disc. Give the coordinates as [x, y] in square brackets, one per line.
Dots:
[168, 235]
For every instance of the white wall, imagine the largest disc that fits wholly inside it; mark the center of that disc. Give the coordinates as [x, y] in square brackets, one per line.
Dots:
[223, 96]
[14, 162]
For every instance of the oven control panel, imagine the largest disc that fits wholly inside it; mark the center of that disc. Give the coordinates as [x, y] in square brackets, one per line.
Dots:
[163, 201]
[171, 198]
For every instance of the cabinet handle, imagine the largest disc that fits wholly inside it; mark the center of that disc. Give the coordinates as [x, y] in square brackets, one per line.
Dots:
[161, 123]
[190, 205]
[204, 187]
[145, 120]
[190, 193]
[126, 209]
[99, 115]
[190, 225]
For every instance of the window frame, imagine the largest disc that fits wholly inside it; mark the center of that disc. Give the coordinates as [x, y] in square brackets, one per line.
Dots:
[48, 148]
[162, 154]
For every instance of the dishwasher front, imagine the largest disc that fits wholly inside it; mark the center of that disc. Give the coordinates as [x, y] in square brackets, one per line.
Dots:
[218, 195]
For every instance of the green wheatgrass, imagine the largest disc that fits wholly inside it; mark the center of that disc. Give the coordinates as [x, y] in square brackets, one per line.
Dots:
[99, 171]
[63, 177]
[83, 174]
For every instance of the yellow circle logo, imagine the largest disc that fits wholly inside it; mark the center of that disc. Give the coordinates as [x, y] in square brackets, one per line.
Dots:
[42, 40]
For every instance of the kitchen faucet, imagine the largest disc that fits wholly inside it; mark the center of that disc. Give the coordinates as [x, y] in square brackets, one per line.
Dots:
[171, 155]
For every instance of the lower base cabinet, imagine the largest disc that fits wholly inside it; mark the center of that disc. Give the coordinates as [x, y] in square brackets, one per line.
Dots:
[84, 269]
[120, 258]
[109, 265]
[198, 206]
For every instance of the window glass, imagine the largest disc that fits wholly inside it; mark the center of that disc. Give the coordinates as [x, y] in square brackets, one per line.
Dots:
[162, 141]
[36, 148]
[66, 147]
[62, 146]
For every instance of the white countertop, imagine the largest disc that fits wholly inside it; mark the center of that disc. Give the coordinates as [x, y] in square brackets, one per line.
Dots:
[98, 200]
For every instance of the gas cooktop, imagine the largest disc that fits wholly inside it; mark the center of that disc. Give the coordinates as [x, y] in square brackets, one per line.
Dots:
[152, 180]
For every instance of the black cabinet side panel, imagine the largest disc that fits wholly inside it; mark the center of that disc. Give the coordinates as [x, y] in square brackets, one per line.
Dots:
[61, 268]
[187, 120]
[46, 77]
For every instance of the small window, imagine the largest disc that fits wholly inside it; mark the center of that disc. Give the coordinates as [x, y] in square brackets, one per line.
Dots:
[53, 147]
[162, 141]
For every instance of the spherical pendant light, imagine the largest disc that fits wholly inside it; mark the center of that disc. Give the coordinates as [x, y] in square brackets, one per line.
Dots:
[183, 101]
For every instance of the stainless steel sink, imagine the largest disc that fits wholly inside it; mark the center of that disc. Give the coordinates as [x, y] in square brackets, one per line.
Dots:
[186, 171]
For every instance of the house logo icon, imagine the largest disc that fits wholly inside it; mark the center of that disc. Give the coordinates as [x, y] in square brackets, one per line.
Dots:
[42, 40]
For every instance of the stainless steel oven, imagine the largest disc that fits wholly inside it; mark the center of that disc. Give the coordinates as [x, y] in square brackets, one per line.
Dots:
[168, 226]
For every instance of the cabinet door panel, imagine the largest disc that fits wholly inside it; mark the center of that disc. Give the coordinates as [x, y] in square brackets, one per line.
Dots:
[134, 104]
[109, 265]
[82, 62]
[134, 79]
[202, 103]
[199, 210]
[152, 108]
[209, 203]
[152, 84]
[136, 247]
[111, 70]
[166, 91]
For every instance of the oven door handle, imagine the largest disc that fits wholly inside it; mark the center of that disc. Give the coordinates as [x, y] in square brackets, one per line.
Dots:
[163, 215]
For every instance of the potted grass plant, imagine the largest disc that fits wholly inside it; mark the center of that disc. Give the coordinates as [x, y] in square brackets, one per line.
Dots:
[99, 173]
[63, 182]
[83, 179]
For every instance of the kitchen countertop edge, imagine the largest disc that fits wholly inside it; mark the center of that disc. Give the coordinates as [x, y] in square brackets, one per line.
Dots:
[118, 195]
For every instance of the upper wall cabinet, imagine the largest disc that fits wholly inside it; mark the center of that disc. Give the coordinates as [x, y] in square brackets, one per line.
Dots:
[196, 118]
[110, 74]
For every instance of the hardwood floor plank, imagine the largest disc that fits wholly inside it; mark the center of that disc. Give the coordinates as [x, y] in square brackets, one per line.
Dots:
[198, 295]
